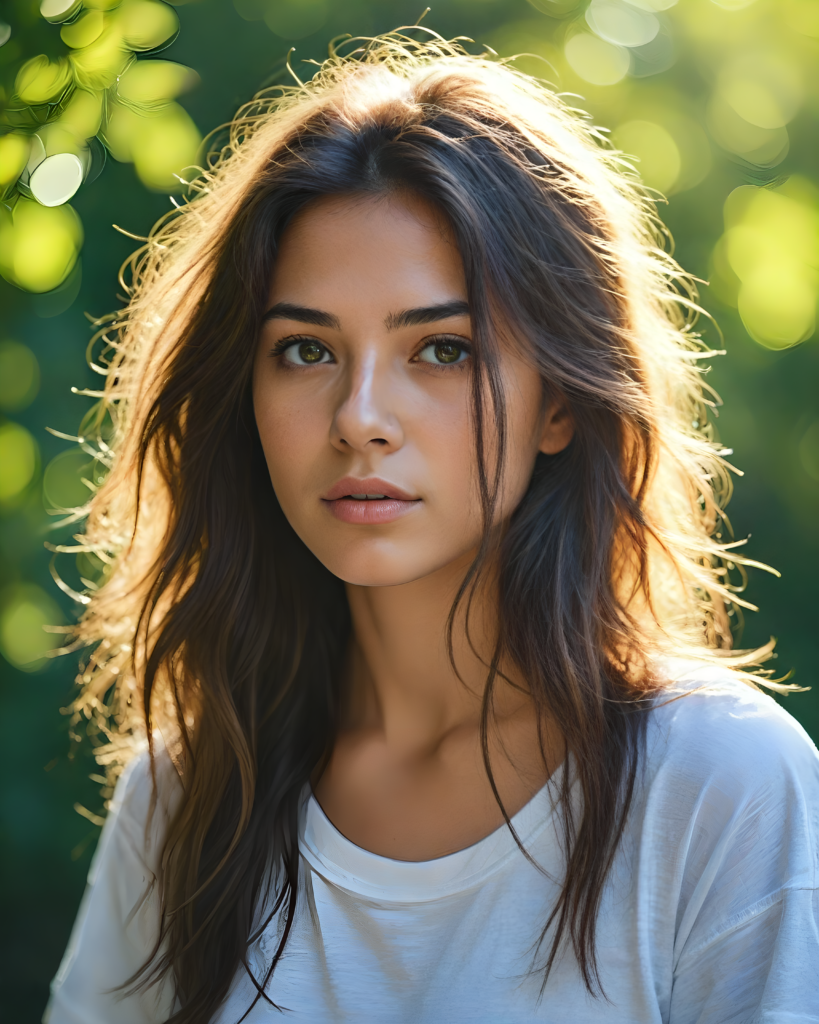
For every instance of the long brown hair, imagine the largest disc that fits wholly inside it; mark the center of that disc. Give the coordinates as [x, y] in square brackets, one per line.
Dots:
[214, 624]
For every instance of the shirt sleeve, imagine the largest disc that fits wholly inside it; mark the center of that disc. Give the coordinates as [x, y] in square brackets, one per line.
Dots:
[118, 919]
[747, 930]
[762, 969]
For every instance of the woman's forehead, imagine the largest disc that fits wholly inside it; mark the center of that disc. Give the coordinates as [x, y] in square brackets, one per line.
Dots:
[396, 250]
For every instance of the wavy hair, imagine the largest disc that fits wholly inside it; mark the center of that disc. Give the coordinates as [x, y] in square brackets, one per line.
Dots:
[215, 625]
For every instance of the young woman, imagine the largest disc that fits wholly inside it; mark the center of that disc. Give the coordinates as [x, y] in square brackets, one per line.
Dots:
[416, 592]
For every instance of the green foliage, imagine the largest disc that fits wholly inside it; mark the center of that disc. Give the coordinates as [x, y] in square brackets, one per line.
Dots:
[56, 108]
[718, 102]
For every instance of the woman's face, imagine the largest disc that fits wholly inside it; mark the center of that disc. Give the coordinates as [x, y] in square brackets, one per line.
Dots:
[361, 391]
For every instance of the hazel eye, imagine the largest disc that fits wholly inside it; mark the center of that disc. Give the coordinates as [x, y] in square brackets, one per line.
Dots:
[444, 352]
[307, 353]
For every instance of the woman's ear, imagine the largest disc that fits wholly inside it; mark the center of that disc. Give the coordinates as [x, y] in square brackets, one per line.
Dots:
[558, 427]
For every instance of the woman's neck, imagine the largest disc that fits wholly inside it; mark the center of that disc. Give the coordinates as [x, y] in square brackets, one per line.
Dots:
[402, 680]
[406, 777]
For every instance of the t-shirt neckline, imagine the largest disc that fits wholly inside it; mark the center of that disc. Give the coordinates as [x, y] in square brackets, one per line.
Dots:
[340, 862]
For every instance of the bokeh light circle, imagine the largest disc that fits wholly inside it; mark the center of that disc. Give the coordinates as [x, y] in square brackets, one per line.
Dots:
[24, 610]
[19, 460]
[659, 160]
[56, 179]
[595, 60]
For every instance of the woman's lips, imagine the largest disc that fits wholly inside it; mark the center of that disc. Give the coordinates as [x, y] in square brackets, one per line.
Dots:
[370, 502]
[370, 511]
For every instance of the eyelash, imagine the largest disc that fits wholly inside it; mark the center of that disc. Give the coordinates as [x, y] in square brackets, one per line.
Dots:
[294, 339]
[453, 339]
[297, 339]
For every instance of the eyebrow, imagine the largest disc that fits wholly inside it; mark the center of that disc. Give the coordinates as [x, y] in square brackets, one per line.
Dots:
[303, 314]
[394, 321]
[427, 314]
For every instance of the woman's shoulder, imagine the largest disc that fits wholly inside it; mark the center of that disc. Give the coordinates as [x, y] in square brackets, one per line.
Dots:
[146, 779]
[728, 820]
[145, 798]
[709, 723]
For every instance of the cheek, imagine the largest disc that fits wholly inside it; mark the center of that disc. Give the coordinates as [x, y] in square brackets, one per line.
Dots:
[520, 464]
[288, 437]
[442, 434]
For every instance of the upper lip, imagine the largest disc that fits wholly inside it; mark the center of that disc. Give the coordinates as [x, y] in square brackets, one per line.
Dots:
[369, 485]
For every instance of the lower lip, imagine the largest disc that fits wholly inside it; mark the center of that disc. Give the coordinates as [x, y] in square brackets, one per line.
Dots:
[372, 512]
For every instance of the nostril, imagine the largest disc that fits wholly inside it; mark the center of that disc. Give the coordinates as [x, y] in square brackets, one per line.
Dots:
[373, 440]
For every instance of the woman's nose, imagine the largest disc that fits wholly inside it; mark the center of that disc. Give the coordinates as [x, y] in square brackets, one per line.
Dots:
[365, 417]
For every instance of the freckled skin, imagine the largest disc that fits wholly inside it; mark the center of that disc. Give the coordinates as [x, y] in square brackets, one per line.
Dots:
[405, 777]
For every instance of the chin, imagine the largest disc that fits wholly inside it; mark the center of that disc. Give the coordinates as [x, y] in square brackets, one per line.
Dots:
[377, 572]
[379, 565]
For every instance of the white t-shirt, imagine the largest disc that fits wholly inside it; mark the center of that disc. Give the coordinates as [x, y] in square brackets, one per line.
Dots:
[710, 914]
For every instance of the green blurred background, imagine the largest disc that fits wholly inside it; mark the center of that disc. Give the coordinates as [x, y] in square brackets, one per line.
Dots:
[719, 101]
